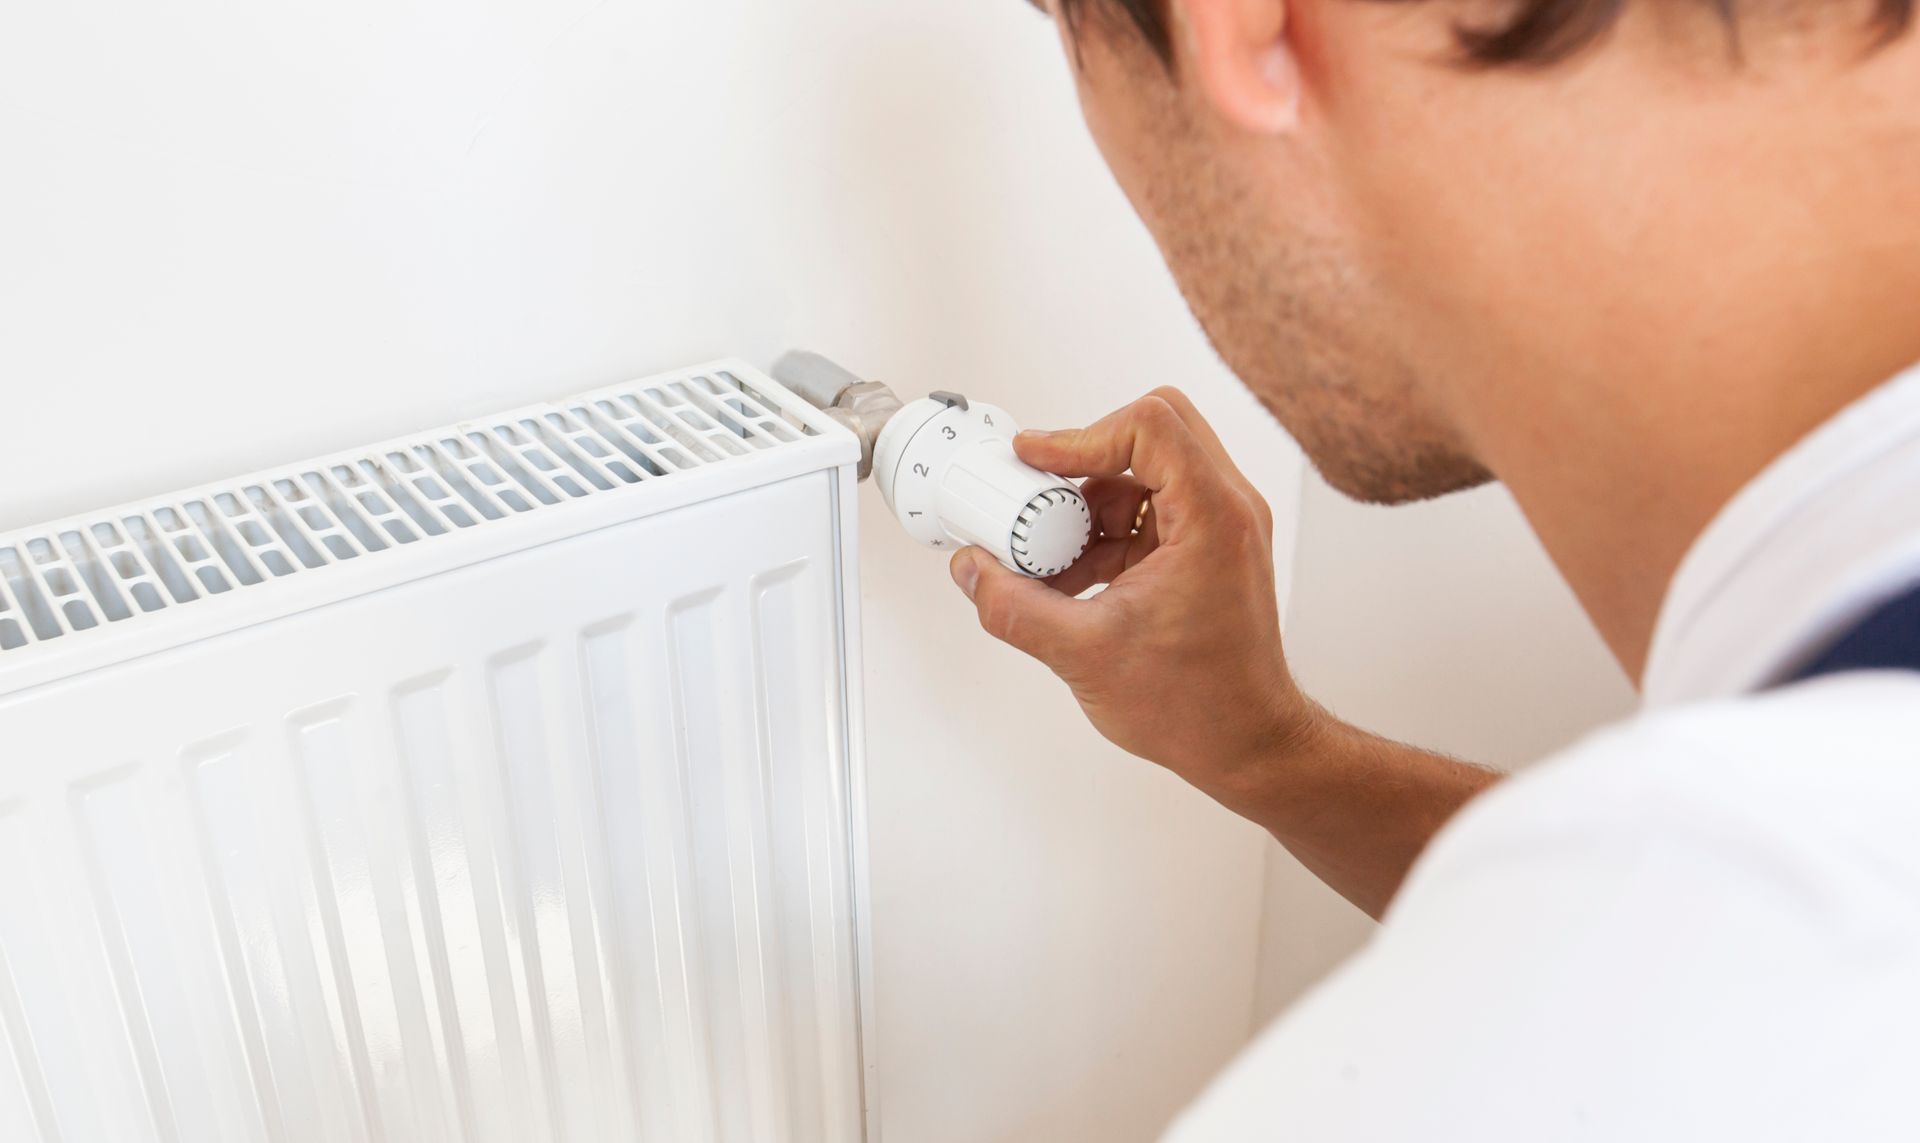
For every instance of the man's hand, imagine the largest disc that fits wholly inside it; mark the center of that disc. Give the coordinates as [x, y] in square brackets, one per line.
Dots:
[1179, 660]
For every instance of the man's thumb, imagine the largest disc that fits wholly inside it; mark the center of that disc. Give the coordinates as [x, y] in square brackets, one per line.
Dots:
[1021, 612]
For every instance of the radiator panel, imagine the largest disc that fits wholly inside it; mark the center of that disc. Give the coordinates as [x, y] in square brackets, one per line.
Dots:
[557, 845]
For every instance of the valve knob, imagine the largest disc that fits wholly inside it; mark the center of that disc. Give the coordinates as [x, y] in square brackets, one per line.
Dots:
[1051, 532]
[947, 470]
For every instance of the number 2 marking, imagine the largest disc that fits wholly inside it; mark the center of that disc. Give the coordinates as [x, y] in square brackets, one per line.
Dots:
[922, 470]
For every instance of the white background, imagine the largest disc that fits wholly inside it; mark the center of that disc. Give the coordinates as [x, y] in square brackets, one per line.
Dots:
[238, 232]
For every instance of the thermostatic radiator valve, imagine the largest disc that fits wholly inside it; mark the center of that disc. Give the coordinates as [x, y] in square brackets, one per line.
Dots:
[947, 470]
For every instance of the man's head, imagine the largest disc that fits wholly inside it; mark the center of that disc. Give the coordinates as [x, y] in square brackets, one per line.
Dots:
[1418, 229]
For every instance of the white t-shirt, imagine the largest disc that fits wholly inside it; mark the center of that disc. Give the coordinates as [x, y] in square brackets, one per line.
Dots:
[1702, 924]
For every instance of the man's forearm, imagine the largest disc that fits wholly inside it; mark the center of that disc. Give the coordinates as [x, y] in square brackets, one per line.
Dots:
[1181, 659]
[1355, 808]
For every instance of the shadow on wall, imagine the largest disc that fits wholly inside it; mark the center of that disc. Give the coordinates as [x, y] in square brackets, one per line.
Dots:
[1441, 624]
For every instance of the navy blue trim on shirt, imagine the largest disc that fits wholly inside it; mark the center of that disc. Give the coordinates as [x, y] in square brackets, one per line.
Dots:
[1887, 640]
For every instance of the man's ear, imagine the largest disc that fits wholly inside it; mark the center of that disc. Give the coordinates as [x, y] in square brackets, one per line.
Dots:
[1241, 57]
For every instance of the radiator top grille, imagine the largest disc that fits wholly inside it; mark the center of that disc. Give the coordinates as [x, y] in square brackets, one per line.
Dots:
[111, 567]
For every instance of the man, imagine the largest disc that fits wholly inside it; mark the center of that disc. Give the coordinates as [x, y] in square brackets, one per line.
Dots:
[1655, 264]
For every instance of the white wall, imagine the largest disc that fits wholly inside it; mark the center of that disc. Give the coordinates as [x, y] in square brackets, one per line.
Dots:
[1442, 624]
[234, 234]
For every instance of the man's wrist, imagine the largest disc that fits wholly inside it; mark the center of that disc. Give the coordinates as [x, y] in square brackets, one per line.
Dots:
[1276, 759]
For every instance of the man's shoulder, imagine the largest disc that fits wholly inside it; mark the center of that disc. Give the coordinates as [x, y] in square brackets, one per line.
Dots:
[1701, 923]
[1865, 722]
[1827, 769]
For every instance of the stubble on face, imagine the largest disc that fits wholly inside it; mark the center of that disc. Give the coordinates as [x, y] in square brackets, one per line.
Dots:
[1258, 246]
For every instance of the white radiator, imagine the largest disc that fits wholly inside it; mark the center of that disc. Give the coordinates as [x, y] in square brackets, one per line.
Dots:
[497, 783]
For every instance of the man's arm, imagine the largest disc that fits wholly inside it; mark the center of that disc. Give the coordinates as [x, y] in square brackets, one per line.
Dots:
[1179, 660]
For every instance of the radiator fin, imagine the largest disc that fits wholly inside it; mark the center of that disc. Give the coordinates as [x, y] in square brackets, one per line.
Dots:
[26, 1105]
[86, 574]
[555, 847]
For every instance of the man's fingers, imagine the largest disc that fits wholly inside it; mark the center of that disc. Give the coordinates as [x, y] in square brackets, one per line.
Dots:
[1115, 503]
[1148, 438]
[1021, 612]
[1200, 428]
[1147, 538]
[1101, 563]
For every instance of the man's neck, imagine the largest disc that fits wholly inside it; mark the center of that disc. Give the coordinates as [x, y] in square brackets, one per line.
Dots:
[1625, 473]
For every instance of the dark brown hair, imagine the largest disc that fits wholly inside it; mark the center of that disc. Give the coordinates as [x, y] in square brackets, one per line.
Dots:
[1538, 31]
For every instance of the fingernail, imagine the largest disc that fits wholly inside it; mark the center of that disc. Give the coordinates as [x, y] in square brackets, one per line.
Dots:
[966, 573]
[1038, 434]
